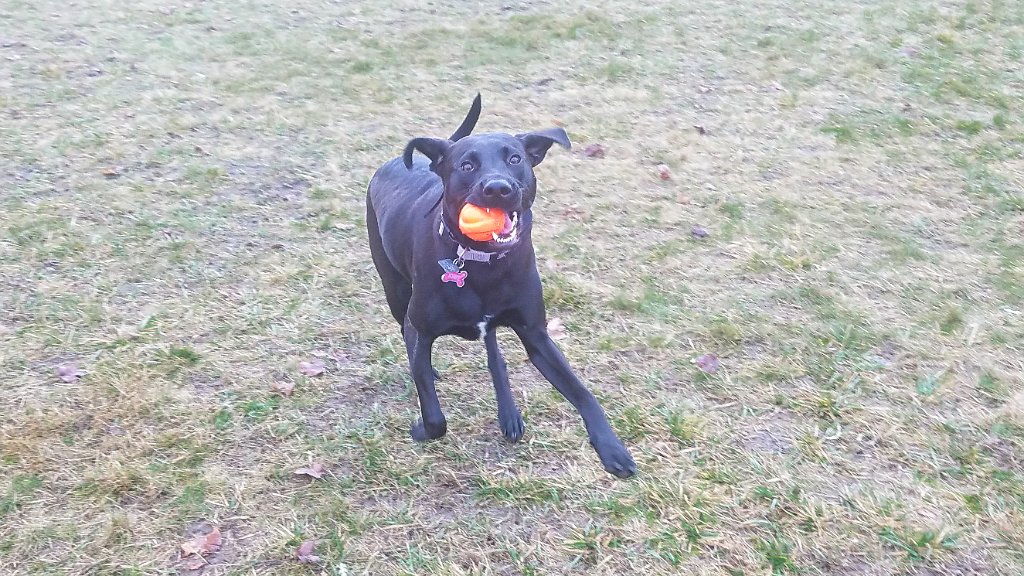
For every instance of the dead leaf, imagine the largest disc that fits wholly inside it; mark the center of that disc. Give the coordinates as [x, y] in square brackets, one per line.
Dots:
[664, 172]
[907, 51]
[203, 544]
[699, 232]
[111, 172]
[594, 150]
[312, 367]
[195, 564]
[283, 387]
[305, 552]
[314, 470]
[708, 363]
[70, 372]
[126, 332]
[573, 212]
[700, 129]
[556, 329]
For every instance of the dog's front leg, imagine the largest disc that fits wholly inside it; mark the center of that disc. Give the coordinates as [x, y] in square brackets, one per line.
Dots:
[432, 423]
[549, 360]
[509, 419]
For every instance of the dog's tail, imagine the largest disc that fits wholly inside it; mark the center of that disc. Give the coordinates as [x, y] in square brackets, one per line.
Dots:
[466, 128]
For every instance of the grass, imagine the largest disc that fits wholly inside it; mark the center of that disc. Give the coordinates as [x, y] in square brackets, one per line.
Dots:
[182, 219]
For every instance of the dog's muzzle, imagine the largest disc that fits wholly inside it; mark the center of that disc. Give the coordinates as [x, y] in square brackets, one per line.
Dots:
[503, 195]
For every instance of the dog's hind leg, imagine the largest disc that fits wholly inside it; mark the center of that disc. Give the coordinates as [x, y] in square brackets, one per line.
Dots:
[509, 419]
[397, 289]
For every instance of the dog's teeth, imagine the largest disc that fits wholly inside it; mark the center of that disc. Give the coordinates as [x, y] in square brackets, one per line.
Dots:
[495, 236]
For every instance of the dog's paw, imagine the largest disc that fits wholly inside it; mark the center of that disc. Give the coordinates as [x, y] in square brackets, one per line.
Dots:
[512, 425]
[422, 433]
[615, 457]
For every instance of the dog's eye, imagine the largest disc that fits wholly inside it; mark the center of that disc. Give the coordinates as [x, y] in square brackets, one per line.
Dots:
[515, 159]
[467, 166]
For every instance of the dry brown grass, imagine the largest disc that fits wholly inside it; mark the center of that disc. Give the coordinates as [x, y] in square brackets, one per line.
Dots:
[181, 217]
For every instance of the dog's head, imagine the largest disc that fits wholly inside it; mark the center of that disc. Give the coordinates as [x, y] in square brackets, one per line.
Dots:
[491, 171]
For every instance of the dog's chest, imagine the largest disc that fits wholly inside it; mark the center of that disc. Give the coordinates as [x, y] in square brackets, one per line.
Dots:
[471, 321]
[469, 316]
[482, 296]
[470, 331]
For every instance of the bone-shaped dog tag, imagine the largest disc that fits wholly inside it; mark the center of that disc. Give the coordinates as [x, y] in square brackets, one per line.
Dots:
[452, 273]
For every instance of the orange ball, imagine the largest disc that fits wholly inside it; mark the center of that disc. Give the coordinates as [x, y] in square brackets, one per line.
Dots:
[479, 223]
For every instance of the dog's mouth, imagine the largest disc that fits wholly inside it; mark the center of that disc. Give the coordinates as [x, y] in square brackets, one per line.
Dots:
[492, 226]
[509, 232]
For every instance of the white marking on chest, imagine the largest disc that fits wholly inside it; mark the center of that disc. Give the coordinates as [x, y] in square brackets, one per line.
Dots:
[483, 326]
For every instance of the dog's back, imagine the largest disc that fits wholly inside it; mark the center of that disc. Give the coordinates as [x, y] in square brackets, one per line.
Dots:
[397, 187]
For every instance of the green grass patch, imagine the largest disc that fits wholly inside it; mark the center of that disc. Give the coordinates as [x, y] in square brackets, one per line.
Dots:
[518, 492]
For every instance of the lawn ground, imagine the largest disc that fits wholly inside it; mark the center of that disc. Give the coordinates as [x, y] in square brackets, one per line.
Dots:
[181, 227]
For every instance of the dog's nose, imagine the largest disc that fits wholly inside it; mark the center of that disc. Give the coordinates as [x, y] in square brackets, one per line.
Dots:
[497, 188]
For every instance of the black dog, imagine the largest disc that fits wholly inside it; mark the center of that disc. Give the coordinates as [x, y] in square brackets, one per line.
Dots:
[440, 282]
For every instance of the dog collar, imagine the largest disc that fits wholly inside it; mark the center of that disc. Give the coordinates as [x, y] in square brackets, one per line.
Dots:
[462, 253]
[452, 268]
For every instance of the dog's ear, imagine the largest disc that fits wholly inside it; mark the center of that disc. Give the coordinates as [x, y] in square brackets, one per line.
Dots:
[433, 148]
[537, 143]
